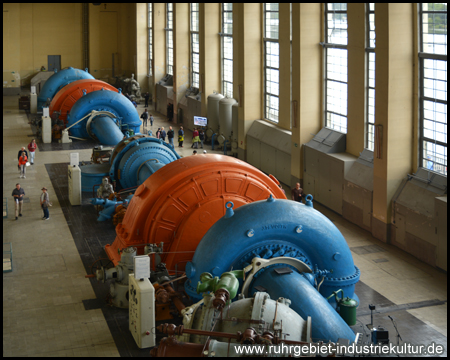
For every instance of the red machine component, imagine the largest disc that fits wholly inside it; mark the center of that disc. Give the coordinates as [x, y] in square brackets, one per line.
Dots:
[69, 95]
[180, 202]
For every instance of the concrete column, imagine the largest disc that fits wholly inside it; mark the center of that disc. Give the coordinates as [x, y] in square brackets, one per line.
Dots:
[284, 118]
[247, 69]
[393, 108]
[141, 48]
[357, 93]
[181, 53]
[159, 46]
[306, 81]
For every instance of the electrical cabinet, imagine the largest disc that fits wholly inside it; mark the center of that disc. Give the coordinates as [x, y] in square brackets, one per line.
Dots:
[142, 311]
[74, 177]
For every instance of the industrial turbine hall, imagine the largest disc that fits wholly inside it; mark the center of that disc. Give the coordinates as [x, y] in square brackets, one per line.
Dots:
[224, 179]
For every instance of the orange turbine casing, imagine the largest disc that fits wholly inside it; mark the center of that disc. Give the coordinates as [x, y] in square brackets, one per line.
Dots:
[69, 95]
[180, 202]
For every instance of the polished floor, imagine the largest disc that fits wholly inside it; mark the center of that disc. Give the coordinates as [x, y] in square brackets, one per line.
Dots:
[51, 309]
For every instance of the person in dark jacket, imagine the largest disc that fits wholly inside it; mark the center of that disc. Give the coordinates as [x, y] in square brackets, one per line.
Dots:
[201, 136]
[144, 117]
[163, 134]
[170, 135]
[297, 193]
[146, 97]
[18, 194]
[180, 137]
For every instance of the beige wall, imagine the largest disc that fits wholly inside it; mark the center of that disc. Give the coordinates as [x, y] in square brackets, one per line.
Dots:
[112, 29]
[33, 31]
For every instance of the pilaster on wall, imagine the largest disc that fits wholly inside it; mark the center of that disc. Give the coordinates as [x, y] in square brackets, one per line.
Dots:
[356, 113]
[181, 43]
[209, 51]
[141, 48]
[247, 70]
[284, 118]
[306, 80]
[393, 108]
[159, 46]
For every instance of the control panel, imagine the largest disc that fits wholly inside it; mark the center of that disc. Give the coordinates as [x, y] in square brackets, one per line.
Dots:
[142, 311]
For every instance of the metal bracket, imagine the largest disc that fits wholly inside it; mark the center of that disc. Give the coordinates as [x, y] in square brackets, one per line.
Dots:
[258, 264]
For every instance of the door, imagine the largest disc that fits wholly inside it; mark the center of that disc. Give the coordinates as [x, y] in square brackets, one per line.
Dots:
[54, 62]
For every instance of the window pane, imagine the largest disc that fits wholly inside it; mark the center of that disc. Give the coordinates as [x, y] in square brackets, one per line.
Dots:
[433, 73]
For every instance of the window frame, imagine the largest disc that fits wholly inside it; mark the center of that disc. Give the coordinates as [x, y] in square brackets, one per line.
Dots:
[194, 33]
[327, 46]
[169, 38]
[268, 108]
[227, 86]
[150, 37]
[370, 127]
[423, 56]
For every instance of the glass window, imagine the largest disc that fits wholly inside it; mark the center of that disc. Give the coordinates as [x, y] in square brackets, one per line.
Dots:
[335, 47]
[271, 62]
[150, 38]
[370, 91]
[195, 46]
[227, 49]
[169, 38]
[433, 87]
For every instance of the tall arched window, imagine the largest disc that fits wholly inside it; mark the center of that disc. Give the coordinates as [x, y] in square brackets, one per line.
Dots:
[227, 49]
[271, 62]
[336, 59]
[195, 46]
[169, 38]
[370, 90]
[433, 86]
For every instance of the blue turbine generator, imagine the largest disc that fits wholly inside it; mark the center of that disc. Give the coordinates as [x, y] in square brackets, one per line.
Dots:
[57, 81]
[103, 115]
[288, 250]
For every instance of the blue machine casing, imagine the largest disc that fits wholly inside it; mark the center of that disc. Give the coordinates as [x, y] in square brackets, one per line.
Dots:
[104, 100]
[139, 159]
[275, 228]
[58, 80]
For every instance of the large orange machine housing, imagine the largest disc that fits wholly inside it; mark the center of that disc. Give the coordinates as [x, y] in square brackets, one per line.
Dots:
[69, 95]
[180, 202]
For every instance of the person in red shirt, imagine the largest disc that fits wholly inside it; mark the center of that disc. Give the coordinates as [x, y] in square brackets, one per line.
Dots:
[23, 164]
[195, 139]
[32, 149]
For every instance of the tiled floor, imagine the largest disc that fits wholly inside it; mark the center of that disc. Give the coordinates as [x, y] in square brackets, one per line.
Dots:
[51, 309]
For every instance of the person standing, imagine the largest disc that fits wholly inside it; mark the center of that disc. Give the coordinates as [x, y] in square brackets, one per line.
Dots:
[201, 136]
[180, 137]
[170, 135]
[297, 193]
[23, 165]
[18, 194]
[45, 203]
[163, 134]
[158, 133]
[20, 154]
[144, 117]
[32, 148]
[195, 139]
[146, 97]
[151, 120]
